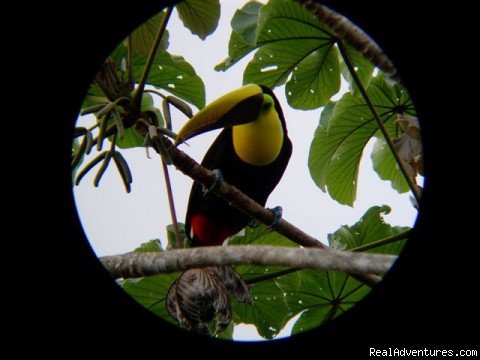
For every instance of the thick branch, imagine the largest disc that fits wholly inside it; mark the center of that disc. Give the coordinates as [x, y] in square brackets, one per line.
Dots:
[344, 29]
[143, 264]
[236, 198]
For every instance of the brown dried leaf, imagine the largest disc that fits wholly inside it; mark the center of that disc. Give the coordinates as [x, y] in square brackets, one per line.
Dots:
[409, 144]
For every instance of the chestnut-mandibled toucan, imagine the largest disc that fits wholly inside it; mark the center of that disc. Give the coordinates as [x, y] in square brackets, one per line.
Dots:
[250, 153]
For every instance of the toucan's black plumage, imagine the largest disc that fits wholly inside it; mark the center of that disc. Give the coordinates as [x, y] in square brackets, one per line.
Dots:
[243, 153]
[218, 219]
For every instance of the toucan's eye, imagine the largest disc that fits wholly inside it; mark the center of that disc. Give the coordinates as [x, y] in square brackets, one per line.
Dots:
[267, 103]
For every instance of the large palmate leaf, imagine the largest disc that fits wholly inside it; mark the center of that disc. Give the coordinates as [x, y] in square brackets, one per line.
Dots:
[293, 43]
[337, 147]
[363, 67]
[268, 312]
[175, 75]
[322, 295]
[142, 37]
[386, 166]
[369, 229]
[199, 16]
[243, 38]
[260, 235]
[151, 291]
[244, 21]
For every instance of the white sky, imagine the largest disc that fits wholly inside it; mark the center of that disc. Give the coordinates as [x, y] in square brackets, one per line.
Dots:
[116, 222]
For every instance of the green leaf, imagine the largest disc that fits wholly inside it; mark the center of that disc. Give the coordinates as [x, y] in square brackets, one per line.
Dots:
[172, 238]
[319, 295]
[268, 312]
[322, 295]
[226, 334]
[199, 16]
[255, 237]
[311, 318]
[315, 80]
[75, 147]
[293, 43]
[237, 49]
[385, 165]
[243, 38]
[142, 37]
[244, 21]
[94, 96]
[370, 228]
[150, 246]
[131, 139]
[175, 75]
[364, 69]
[336, 151]
[151, 292]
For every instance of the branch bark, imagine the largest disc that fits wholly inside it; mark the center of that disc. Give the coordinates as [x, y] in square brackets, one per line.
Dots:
[236, 198]
[143, 264]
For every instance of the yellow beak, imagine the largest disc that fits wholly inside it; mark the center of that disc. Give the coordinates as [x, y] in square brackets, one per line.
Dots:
[240, 106]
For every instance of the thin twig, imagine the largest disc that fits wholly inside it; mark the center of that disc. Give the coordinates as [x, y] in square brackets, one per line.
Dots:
[371, 106]
[131, 75]
[133, 265]
[388, 240]
[171, 205]
[168, 184]
[153, 51]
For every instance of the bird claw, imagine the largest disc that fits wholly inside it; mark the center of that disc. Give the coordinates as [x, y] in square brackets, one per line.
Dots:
[216, 183]
[277, 217]
[253, 223]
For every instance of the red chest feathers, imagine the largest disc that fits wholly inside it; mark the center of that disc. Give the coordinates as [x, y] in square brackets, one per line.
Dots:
[207, 232]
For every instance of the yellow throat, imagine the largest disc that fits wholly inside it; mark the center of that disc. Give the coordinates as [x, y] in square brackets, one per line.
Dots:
[259, 142]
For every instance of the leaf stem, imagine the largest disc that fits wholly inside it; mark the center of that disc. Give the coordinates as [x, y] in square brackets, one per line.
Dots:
[131, 76]
[271, 276]
[374, 112]
[156, 93]
[153, 51]
[388, 240]
[171, 205]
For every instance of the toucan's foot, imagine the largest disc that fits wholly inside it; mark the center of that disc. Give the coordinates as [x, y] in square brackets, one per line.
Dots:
[253, 223]
[216, 183]
[277, 216]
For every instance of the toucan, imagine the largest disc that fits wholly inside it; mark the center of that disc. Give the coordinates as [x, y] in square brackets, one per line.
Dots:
[251, 153]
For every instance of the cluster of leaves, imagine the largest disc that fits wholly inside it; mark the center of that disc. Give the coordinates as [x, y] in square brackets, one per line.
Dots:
[170, 73]
[294, 48]
[280, 293]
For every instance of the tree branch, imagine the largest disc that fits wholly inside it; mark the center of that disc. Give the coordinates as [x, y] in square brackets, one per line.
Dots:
[143, 264]
[236, 198]
[344, 29]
